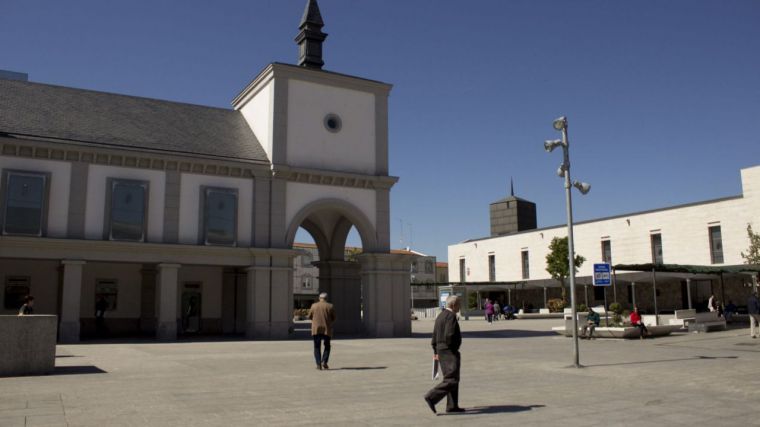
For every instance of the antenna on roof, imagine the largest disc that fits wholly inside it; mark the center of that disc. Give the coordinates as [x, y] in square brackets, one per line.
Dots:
[511, 187]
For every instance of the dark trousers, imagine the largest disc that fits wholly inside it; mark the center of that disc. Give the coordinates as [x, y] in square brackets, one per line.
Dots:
[642, 328]
[319, 356]
[450, 362]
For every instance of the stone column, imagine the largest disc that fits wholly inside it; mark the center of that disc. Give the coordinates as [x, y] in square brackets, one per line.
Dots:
[688, 292]
[148, 299]
[71, 298]
[269, 298]
[386, 294]
[342, 282]
[167, 302]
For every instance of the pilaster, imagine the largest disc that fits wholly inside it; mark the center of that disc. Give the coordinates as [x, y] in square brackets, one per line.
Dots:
[166, 329]
[70, 301]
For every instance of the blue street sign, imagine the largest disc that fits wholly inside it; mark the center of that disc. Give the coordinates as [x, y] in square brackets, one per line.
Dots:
[602, 275]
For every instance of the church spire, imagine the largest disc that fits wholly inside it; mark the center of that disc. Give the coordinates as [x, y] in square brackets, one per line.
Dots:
[511, 187]
[311, 37]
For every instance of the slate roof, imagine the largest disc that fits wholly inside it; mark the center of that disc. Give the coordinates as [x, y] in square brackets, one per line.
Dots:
[62, 113]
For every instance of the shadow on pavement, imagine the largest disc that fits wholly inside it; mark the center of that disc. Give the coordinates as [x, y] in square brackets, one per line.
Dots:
[507, 333]
[496, 409]
[77, 370]
[360, 368]
[683, 359]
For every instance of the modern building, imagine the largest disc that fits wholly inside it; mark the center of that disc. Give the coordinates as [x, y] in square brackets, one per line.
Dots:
[710, 233]
[183, 217]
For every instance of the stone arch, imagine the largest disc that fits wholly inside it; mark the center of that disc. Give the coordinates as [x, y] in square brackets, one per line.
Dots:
[352, 216]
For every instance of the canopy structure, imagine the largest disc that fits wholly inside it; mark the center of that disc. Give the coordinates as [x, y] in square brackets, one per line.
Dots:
[692, 269]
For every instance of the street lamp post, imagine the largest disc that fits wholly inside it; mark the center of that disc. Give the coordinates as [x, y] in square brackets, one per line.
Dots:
[560, 124]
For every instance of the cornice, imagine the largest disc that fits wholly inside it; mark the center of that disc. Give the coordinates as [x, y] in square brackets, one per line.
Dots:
[278, 70]
[158, 253]
[333, 178]
[72, 152]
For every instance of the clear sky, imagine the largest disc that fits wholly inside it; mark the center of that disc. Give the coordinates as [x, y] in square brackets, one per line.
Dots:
[663, 98]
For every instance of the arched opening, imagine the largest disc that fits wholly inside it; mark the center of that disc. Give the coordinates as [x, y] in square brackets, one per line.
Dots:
[331, 235]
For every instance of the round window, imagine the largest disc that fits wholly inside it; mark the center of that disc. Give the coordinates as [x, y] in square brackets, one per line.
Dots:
[332, 122]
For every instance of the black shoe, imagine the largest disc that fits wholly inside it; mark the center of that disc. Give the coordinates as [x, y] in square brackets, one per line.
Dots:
[325, 367]
[454, 410]
[431, 405]
[319, 367]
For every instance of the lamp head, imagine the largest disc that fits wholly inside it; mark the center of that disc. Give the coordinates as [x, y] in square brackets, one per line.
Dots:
[561, 170]
[583, 187]
[551, 144]
[560, 123]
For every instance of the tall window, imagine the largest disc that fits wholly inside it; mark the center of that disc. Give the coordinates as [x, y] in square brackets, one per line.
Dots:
[219, 216]
[462, 273]
[429, 267]
[128, 203]
[525, 265]
[108, 290]
[24, 203]
[606, 251]
[491, 268]
[716, 245]
[656, 240]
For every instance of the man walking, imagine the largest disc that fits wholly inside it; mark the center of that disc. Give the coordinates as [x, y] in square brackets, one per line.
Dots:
[753, 308]
[322, 317]
[446, 342]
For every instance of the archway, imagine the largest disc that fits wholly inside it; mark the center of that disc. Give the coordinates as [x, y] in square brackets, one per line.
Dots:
[329, 223]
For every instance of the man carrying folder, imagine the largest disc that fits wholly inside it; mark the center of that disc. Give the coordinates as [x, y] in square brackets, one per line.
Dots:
[446, 342]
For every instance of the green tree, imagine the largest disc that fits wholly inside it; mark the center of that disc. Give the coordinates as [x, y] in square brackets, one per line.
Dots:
[753, 252]
[557, 265]
[352, 254]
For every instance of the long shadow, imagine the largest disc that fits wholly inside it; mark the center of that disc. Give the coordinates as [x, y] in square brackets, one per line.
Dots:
[77, 370]
[684, 359]
[497, 409]
[507, 333]
[65, 355]
[360, 368]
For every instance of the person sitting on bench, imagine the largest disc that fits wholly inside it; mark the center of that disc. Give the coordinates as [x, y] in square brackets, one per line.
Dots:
[636, 321]
[592, 321]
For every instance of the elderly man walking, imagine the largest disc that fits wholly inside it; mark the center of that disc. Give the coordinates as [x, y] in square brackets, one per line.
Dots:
[753, 309]
[322, 317]
[446, 342]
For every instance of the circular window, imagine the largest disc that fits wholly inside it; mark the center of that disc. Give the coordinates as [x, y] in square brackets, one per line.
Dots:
[332, 122]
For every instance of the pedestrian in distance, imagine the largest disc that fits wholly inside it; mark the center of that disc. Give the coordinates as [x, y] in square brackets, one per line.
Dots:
[637, 321]
[753, 309]
[322, 317]
[489, 311]
[447, 338]
[28, 307]
[100, 312]
[496, 310]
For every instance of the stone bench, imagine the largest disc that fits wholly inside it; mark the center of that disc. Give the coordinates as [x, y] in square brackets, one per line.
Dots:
[27, 345]
[707, 322]
[626, 332]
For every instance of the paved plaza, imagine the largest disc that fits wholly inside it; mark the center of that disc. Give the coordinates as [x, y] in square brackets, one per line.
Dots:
[513, 373]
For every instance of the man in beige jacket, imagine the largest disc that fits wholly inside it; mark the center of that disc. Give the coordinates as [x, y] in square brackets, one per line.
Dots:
[322, 317]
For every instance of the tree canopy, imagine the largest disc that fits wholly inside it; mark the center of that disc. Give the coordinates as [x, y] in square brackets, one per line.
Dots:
[556, 262]
[753, 252]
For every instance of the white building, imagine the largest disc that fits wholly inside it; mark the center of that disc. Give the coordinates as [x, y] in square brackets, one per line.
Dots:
[708, 233]
[183, 217]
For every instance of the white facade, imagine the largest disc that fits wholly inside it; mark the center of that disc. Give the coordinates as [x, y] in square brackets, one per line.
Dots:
[683, 229]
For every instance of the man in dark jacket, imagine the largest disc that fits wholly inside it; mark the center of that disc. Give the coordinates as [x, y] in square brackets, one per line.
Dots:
[446, 342]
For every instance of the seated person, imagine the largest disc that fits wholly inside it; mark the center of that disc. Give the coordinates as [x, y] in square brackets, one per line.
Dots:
[509, 312]
[636, 321]
[729, 311]
[592, 321]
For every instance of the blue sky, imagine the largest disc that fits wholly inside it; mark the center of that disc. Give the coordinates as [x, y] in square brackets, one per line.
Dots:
[663, 98]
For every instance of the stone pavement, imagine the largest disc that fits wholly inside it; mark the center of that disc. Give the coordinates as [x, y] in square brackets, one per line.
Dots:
[513, 372]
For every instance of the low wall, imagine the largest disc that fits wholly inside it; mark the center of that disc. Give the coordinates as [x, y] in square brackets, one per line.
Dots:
[27, 345]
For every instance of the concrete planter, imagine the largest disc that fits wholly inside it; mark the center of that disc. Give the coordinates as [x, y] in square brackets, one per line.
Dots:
[27, 345]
